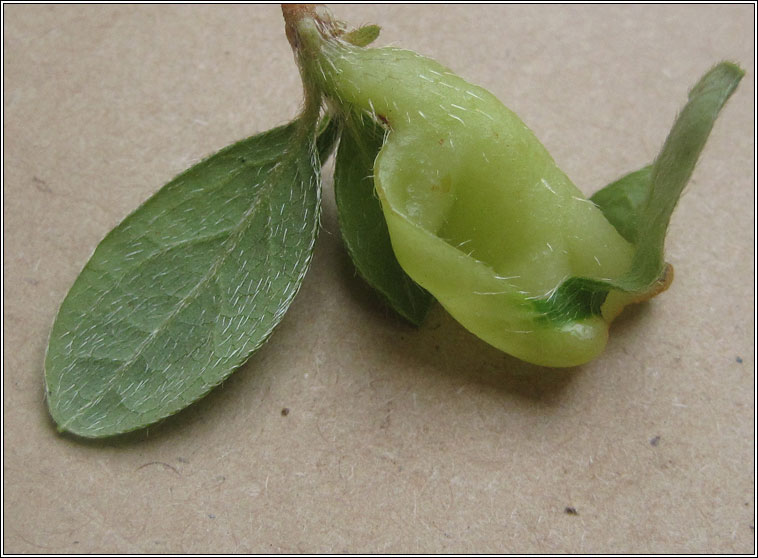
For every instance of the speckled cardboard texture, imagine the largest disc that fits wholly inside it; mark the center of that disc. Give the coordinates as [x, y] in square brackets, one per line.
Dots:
[351, 431]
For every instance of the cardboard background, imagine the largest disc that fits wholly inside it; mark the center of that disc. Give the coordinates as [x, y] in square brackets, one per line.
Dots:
[397, 440]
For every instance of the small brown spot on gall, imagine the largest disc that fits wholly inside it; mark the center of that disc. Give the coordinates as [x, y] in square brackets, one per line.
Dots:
[383, 119]
[444, 185]
[442, 140]
[285, 412]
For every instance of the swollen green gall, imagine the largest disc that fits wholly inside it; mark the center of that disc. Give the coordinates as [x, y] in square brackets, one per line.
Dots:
[480, 215]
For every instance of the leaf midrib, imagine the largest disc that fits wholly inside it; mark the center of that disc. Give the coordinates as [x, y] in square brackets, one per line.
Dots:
[162, 249]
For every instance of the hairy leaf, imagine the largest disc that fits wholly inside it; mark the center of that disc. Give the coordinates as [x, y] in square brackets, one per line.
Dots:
[180, 294]
[640, 204]
[672, 170]
[363, 225]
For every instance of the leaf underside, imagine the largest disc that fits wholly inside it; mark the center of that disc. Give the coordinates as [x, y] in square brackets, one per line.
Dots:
[179, 295]
[362, 222]
[640, 204]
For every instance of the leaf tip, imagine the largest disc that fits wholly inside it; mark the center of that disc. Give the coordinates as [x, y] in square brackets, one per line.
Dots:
[724, 76]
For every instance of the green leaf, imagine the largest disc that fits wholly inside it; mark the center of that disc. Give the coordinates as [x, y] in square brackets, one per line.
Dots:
[672, 170]
[640, 204]
[622, 201]
[180, 294]
[363, 36]
[363, 225]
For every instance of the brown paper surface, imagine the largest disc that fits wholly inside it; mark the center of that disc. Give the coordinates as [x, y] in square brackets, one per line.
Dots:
[397, 439]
